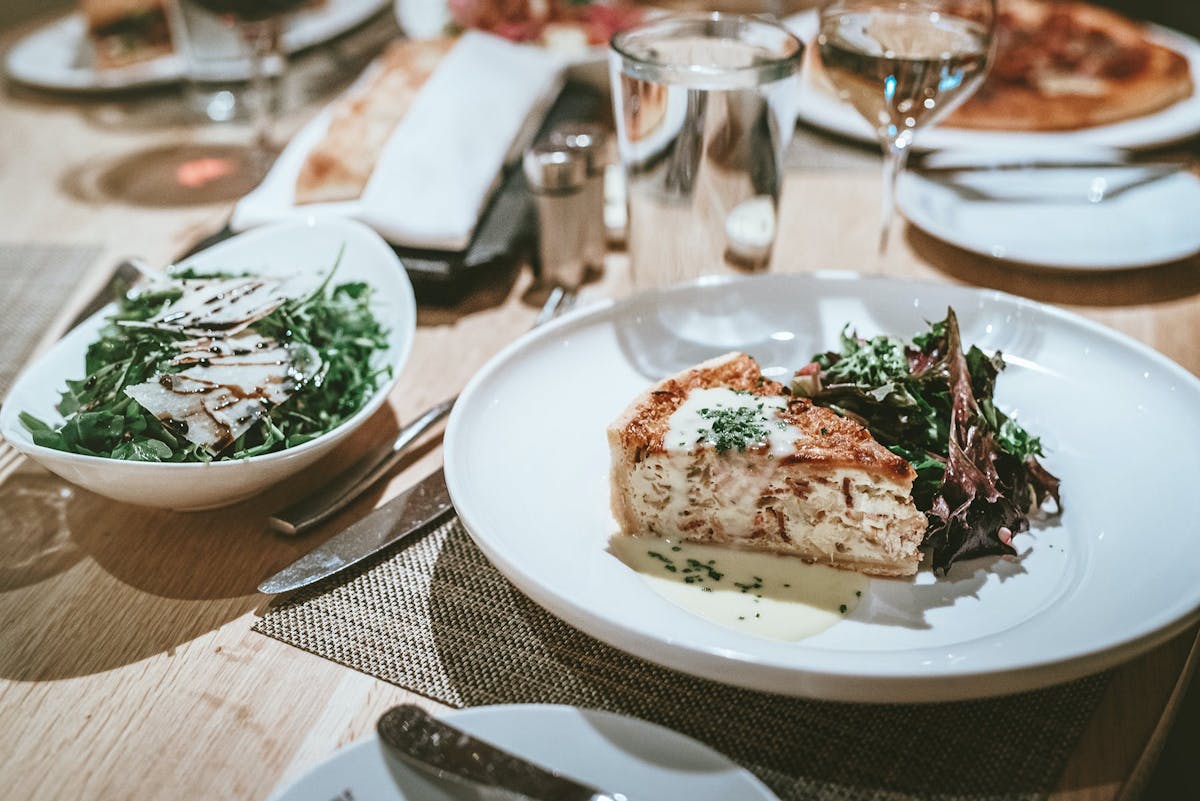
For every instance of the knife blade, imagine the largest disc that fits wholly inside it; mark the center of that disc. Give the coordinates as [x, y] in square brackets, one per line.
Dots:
[410, 511]
[452, 755]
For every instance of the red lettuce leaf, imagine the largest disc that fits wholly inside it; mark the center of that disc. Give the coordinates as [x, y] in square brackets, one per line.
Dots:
[978, 475]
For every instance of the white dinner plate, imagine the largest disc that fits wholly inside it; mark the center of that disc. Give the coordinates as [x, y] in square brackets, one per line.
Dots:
[619, 754]
[59, 56]
[819, 107]
[527, 466]
[1079, 218]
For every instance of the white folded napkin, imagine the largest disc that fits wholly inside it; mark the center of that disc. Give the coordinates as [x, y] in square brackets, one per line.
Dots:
[476, 112]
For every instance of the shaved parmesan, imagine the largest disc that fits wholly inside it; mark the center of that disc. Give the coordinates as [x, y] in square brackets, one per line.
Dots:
[247, 347]
[218, 306]
[229, 386]
[232, 376]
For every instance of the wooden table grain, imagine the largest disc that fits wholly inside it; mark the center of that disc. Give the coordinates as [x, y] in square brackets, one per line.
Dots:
[127, 664]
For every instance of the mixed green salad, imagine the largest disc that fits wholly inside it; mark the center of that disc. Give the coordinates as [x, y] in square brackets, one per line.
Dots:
[200, 367]
[931, 402]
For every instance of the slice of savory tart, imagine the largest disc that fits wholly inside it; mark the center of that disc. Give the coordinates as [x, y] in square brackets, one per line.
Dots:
[719, 454]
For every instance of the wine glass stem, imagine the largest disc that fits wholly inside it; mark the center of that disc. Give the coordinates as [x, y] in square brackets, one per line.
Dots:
[262, 36]
[895, 156]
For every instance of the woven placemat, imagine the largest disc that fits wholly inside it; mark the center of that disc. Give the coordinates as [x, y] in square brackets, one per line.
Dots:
[437, 618]
[35, 281]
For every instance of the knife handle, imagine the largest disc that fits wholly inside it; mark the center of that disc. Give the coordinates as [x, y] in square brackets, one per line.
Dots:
[337, 494]
[484, 770]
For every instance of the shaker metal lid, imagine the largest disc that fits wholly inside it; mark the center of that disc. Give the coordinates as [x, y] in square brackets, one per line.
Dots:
[550, 167]
[585, 137]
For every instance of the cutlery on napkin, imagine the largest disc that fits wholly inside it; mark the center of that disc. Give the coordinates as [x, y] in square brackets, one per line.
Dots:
[1045, 175]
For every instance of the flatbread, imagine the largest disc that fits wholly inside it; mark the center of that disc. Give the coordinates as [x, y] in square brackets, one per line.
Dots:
[338, 168]
[1069, 65]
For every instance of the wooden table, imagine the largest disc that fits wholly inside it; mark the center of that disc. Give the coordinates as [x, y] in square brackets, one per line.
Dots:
[127, 664]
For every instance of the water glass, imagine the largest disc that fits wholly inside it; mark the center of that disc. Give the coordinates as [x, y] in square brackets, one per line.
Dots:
[704, 107]
[219, 59]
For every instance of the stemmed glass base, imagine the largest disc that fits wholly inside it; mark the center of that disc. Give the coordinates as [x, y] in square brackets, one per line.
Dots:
[262, 37]
[895, 157]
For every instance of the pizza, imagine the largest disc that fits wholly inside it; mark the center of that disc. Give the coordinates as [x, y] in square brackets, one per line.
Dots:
[1066, 65]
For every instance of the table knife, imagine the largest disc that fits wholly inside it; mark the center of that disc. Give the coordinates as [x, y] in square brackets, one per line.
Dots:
[410, 511]
[451, 755]
[317, 507]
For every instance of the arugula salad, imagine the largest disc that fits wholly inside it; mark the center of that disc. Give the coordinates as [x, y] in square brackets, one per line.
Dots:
[201, 367]
[930, 401]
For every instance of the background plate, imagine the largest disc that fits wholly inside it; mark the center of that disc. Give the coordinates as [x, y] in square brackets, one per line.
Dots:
[527, 463]
[1046, 216]
[819, 107]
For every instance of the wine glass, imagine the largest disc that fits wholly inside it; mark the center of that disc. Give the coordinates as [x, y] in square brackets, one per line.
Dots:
[260, 24]
[904, 64]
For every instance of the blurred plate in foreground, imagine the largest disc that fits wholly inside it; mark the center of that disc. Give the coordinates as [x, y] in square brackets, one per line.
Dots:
[619, 754]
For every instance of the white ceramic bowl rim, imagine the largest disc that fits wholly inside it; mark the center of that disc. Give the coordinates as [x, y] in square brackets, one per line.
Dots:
[15, 432]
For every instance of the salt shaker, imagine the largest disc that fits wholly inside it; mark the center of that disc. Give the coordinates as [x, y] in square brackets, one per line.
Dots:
[588, 139]
[556, 176]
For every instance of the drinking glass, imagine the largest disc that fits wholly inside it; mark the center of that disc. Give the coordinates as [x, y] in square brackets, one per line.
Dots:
[259, 23]
[704, 107]
[904, 64]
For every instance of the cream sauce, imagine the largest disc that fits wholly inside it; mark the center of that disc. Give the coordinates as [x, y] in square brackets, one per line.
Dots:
[768, 595]
[691, 424]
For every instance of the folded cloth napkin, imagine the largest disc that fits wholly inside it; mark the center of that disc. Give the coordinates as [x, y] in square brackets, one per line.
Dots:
[475, 114]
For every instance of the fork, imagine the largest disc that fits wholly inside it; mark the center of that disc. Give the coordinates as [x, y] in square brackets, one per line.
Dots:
[1095, 194]
[319, 506]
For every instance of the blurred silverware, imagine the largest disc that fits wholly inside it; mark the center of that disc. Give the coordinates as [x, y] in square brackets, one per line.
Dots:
[1098, 190]
[936, 162]
[1079, 174]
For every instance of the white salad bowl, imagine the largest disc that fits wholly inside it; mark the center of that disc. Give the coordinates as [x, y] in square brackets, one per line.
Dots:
[275, 250]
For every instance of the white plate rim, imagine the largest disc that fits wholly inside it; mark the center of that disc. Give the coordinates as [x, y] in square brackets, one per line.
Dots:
[15, 433]
[818, 109]
[914, 185]
[468, 714]
[169, 68]
[724, 665]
